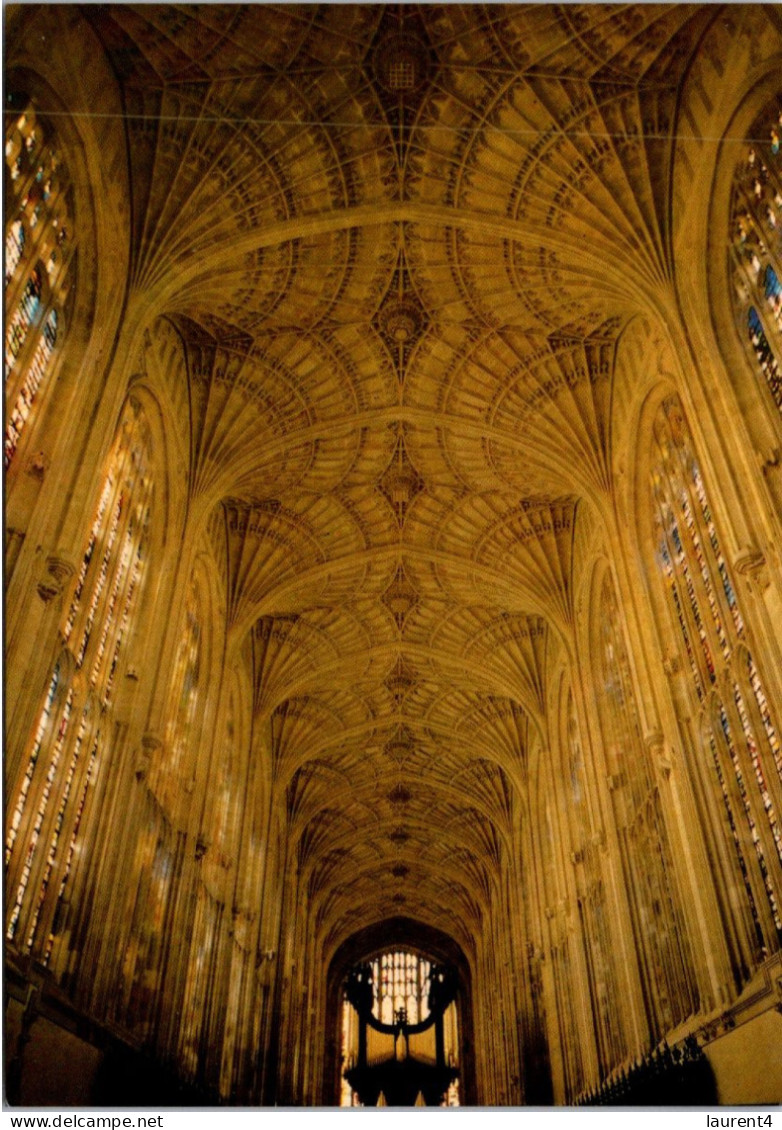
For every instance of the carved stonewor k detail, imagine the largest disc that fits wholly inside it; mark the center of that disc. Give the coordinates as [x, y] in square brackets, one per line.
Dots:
[150, 744]
[356, 444]
[38, 465]
[753, 567]
[400, 482]
[400, 598]
[661, 753]
[402, 65]
[400, 795]
[58, 571]
[400, 745]
[401, 679]
[401, 320]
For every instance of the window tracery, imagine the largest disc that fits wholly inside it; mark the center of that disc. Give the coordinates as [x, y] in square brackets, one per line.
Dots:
[647, 859]
[401, 982]
[400, 1031]
[14, 249]
[39, 252]
[71, 734]
[740, 734]
[756, 246]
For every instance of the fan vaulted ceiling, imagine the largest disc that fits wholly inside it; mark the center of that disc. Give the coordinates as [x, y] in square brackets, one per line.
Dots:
[399, 243]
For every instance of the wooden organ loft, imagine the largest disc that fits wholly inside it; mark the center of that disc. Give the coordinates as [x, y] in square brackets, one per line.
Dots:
[393, 510]
[400, 1035]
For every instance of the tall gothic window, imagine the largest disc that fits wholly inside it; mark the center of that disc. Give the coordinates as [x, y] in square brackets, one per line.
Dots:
[400, 983]
[69, 741]
[756, 246]
[38, 267]
[646, 855]
[740, 737]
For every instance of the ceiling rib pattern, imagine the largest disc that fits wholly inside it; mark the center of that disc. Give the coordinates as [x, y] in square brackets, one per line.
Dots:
[364, 227]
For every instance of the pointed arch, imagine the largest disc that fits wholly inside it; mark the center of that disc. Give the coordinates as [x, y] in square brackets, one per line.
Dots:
[69, 748]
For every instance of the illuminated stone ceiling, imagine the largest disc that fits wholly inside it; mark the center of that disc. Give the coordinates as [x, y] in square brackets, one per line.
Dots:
[399, 244]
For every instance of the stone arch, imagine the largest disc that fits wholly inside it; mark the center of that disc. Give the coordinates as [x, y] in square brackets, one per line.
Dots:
[415, 935]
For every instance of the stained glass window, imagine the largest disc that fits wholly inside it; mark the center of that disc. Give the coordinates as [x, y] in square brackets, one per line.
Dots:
[38, 261]
[400, 989]
[400, 983]
[14, 248]
[756, 246]
[70, 736]
[742, 737]
[647, 859]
